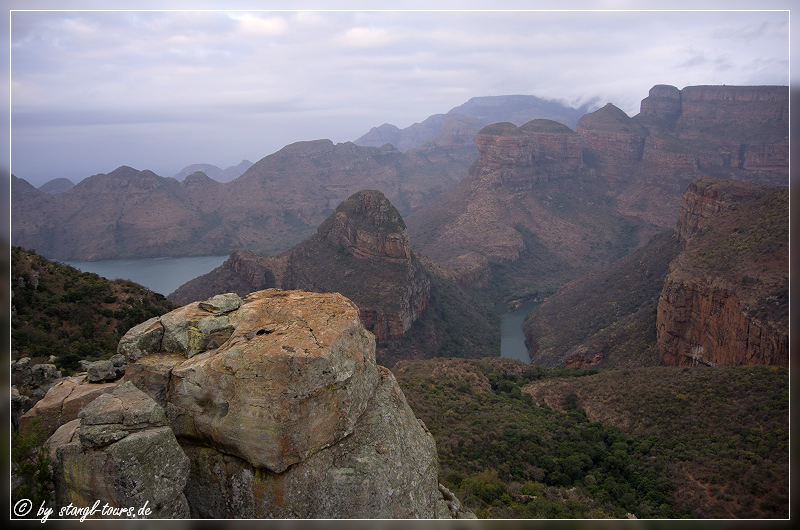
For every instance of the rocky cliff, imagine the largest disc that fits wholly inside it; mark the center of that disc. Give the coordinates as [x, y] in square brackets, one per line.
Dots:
[615, 181]
[713, 291]
[725, 298]
[414, 308]
[273, 205]
[531, 204]
[267, 406]
[362, 251]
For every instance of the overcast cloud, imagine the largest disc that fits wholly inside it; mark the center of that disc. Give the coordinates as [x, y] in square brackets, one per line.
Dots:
[90, 91]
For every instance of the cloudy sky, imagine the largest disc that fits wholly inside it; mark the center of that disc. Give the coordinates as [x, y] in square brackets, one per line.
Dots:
[93, 90]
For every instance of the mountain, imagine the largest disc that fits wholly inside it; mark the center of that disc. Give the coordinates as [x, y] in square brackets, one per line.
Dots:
[404, 139]
[519, 109]
[56, 185]
[277, 202]
[545, 204]
[714, 290]
[484, 110]
[362, 250]
[220, 175]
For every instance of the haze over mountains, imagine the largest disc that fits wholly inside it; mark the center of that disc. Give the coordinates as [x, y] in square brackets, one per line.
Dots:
[658, 245]
[639, 166]
[483, 111]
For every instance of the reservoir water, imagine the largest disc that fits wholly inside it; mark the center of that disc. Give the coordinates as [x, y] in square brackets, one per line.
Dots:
[164, 275]
[161, 275]
[512, 338]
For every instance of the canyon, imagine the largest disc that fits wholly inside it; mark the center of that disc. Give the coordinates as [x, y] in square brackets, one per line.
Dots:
[363, 251]
[713, 291]
[658, 246]
[587, 197]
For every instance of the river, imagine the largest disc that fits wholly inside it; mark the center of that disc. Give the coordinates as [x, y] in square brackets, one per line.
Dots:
[161, 275]
[164, 275]
[512, 338]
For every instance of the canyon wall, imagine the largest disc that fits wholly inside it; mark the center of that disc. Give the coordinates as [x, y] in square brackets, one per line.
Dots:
[725, 298]
[361, 250]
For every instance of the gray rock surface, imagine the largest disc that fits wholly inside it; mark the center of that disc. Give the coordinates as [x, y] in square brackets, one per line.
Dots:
[386, 469]
[122, 452]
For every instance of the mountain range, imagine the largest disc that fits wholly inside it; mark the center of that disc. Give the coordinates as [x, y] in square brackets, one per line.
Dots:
[658, 246]
[482, 111]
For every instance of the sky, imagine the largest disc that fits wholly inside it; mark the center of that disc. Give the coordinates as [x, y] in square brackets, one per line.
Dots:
[90, 91]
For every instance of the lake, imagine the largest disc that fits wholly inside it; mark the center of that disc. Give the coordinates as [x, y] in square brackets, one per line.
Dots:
[161, 275]
[164, 275]
[512, 338]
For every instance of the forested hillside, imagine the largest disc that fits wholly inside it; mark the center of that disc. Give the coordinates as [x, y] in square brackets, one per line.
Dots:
[58, 310]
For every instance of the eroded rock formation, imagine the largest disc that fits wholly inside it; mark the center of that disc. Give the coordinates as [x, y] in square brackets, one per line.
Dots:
[362, 251]
[725, 298]
[283, 412]
[122, 452]
[267, 406]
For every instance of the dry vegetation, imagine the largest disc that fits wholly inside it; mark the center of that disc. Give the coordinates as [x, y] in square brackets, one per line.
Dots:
[654, 442]
[58, 310]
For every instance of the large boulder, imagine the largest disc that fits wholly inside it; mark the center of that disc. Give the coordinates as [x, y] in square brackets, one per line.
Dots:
[280, 407]
[122, 452]
[386, 469]
[291, 375]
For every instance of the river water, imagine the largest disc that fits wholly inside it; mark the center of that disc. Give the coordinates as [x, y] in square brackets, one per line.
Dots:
[164, 275]
[512, 338]
[161, 275]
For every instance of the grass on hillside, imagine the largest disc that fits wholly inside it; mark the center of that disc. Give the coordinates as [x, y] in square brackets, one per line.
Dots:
[612, 308]
[58, 310]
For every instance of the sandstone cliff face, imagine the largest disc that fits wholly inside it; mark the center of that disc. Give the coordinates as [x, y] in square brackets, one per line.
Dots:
[362, 251]
[725, 102]
[662, 102]
[369, 227]
[520, 156]
[612, 135]
[625, 175]
[725, 298]
[704, 199]
[740, 129]
[707, 324]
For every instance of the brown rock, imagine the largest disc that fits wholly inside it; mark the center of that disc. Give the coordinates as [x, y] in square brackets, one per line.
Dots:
[362, 251]
[314, 361]
[64, 401]
[386, 469]
[725, 298]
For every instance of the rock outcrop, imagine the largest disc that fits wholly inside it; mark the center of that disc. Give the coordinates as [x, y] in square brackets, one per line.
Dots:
[64, 401]
[714, 291]
[623, 175]
[362, 250]
[122, 452]
[267, 406]
[725, 298]
[278, 402]
[612, 135]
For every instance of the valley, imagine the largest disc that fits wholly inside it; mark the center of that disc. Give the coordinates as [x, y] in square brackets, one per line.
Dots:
[650, 255]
